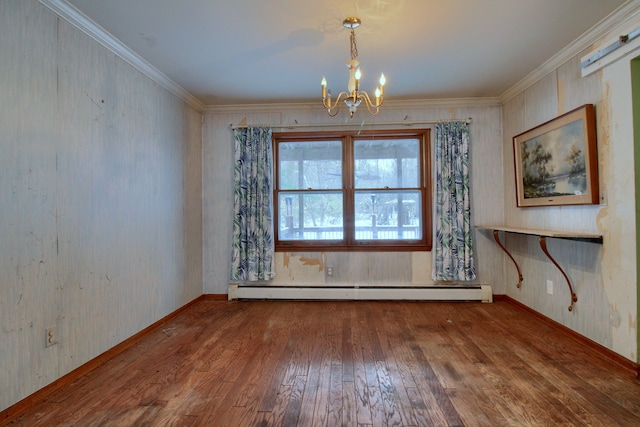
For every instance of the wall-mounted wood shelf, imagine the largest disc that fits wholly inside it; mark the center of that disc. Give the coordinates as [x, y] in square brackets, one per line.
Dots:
[542, 236]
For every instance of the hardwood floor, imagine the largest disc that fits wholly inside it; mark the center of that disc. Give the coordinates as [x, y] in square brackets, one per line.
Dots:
[282, 363]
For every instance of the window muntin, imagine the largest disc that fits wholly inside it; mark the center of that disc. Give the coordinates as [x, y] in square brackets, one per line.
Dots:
[353, 191]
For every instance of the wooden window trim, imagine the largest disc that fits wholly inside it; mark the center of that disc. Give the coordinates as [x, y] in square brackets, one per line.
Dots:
[349, 243]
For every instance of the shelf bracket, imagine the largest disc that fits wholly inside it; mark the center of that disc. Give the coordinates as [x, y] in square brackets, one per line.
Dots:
[542, 235]
[543, 246]
[496, 237]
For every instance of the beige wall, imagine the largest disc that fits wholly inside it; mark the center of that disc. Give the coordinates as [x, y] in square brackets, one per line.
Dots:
[100, 199]
[603, 276]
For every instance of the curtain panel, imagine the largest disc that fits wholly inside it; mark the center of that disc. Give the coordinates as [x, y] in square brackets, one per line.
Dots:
[453, 245]
[253, 242]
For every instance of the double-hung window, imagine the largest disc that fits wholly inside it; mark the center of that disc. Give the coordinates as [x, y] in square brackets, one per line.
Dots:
[352, 191]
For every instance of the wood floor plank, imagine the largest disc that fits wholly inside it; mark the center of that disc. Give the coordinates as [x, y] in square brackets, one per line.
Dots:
[329, 363]
[371, 353]
[292, 413]
[280, 364]
[310, 393]
[347, 350]
[389, 394]
[276, 416]
[334, 417]
[433, 411]
[452, 417]
[349, 411]
[312, 387]
[321, 408]
[363, 406]
[395, 380]
[420, 411]
[393, 346]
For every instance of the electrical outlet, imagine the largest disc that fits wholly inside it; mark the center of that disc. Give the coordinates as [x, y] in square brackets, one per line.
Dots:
[51, 336]
[330, 271]
[550, 287]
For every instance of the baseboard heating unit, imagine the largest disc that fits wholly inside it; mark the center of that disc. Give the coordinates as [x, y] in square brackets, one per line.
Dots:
[432, 293]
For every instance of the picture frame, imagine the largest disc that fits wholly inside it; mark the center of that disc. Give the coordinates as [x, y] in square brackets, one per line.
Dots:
[556, 163]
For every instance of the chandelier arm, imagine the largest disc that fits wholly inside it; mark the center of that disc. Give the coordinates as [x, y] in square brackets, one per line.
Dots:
[367, 102]
[336, 105]
[365, 95]
[335, 113]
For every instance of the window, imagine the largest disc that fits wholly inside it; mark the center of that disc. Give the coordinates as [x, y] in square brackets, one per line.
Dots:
[352, 191]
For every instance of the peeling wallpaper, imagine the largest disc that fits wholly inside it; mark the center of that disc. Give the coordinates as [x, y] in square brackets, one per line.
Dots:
[100, 199]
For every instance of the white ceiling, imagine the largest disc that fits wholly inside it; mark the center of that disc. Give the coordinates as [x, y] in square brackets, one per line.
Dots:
[252, 51]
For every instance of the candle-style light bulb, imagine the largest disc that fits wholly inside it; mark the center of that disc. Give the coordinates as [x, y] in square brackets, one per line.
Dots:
[383, 80]
[377, 96]
[357, 76]
[323, 83]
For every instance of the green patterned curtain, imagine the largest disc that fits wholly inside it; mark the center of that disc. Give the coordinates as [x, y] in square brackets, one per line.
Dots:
[253, 244]
[452, 248]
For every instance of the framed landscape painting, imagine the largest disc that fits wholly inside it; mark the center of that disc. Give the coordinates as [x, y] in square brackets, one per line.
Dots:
[556, 163]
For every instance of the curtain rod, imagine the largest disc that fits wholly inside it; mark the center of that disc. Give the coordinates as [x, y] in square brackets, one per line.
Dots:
[342, 124]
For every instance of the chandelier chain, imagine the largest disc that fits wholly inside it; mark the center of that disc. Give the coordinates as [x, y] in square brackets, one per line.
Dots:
[354, 46]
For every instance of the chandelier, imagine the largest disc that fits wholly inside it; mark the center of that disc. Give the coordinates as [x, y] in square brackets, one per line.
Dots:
[354, 96]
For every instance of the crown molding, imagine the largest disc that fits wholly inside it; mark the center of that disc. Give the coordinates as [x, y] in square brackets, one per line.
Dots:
[79, 20]
[576, 47]
[411, 104]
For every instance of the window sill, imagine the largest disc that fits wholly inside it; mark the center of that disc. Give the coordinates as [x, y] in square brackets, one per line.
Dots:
[354, 248]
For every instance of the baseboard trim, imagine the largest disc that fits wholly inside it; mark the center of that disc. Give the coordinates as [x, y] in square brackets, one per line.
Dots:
[350, 293]
[23, 405]
[603, 351]
[215, 297]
